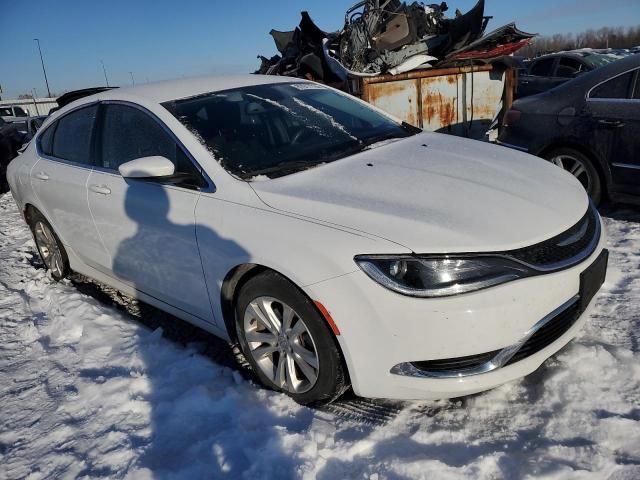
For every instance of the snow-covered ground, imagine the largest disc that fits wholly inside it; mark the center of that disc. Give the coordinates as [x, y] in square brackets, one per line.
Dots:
[88, 390]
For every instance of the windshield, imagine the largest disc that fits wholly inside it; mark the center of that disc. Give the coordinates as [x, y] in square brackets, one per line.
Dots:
[278, 129]
[599, 60]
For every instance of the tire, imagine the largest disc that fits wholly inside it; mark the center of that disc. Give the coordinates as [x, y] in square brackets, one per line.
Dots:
[269, 294]
[581, 167]
[50, 248]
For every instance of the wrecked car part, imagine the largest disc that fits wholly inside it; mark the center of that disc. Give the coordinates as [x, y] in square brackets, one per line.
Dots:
[389, 36]
[382, 36]
[503, 41]
[338, 68]
[464, 29]
[412, 63]
[302, 54]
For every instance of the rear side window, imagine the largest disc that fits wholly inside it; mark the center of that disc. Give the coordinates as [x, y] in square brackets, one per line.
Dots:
[72, 137]
[617, 87]
[543, 68]
[46, 140]
[20, 112]
[129, 133]
[636, 92]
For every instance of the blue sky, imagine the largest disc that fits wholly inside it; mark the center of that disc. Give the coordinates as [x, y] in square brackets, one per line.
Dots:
[166, 39]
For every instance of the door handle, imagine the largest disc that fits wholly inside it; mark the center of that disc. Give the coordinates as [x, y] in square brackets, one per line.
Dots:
[42, 176]
[101, 189]
[611, 123]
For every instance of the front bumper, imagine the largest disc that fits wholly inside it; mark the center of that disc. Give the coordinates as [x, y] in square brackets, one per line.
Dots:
[381, 329]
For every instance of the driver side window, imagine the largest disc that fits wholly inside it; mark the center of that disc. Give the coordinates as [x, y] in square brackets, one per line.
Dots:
[129, 133]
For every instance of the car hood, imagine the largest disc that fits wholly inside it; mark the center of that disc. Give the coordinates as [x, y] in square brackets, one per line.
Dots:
[434, 193]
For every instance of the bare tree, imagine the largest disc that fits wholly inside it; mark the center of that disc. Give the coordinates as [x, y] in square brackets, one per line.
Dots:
[605, 37]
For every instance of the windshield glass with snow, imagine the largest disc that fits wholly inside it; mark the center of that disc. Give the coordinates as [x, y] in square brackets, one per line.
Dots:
[598, 60]
[278, 129]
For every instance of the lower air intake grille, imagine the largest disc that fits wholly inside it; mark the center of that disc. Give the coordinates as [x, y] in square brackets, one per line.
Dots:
[548, 334]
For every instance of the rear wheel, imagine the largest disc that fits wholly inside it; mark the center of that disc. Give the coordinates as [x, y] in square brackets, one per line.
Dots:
[49, 246]
[581, 167]
[287, 342]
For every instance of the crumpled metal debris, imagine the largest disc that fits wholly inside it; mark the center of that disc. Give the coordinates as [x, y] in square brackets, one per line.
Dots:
[389, 36]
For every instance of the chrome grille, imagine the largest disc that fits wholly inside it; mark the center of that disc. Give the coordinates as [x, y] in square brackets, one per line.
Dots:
[563, 250]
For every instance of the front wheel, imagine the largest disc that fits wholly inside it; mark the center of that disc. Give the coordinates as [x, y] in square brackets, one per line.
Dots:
[581, 167]
[287, 342]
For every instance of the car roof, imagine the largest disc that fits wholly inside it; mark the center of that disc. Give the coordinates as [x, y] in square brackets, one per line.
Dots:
[561, 54]
[164, 91]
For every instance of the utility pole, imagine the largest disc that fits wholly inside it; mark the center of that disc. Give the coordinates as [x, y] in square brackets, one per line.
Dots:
[46, 81]
[33, 96]
[133, 82]
[104, 70]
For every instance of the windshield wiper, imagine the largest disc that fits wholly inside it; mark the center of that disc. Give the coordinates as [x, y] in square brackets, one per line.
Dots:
[293, 166]
[282, 167]
[381, 138]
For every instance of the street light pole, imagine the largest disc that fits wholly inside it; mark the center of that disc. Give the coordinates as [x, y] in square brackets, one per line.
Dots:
[33, 96]
[37, 40]
[104, 70]
[133, 82]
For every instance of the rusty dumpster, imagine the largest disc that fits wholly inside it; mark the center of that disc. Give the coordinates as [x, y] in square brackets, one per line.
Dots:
[461, 101]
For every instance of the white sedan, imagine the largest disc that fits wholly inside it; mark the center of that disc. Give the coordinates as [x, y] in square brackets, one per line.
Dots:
[335, 244]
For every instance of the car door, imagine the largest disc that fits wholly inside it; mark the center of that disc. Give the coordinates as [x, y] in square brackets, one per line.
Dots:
[614, 108]
[59, 180]
[539, 78]
[148, 227]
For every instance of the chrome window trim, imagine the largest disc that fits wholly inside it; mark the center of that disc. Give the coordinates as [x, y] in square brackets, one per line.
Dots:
[588, 94]
[626, 165]
[69, 163]
[36, 139]
[613, 100]
[210, 188]
[407, 369]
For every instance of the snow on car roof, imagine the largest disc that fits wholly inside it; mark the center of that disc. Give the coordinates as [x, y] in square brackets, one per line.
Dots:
[188, 87]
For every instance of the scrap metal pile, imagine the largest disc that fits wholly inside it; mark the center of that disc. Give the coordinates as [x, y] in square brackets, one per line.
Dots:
[390, 36]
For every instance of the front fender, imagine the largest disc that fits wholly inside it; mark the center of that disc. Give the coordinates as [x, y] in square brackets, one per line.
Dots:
[305, 251]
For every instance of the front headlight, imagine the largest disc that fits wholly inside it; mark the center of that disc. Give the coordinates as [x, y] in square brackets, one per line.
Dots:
[440, 276]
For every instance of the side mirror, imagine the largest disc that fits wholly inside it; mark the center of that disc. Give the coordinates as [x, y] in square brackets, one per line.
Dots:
[147, 167]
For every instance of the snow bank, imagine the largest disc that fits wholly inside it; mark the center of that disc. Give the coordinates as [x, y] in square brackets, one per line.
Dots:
[87, 391]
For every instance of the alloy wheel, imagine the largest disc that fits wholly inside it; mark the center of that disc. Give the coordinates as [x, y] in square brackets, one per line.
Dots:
[281, 344]
[48, 248]
[576, 168]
